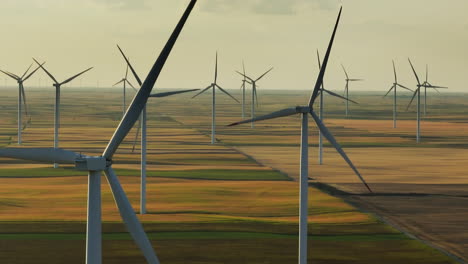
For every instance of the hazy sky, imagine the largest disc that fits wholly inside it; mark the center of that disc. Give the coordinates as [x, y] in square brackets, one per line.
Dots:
[72, 35]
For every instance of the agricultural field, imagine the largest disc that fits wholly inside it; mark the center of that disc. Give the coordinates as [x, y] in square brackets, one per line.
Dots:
[237, 201]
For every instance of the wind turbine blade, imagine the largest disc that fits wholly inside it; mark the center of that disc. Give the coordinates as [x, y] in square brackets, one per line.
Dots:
[427, 72]
[404, 87]
[26, 72]
[224, 91]
[256, 95]
[438, 87]
[119, 82]
[339, 96]
[412, 99]
[166, 94]
[394, 71]
[47, 72]
[131, 67]
[263, 75]
[245, 76]
[414, 71]
[140, 99]
[131, 85]
[51, 155]
[31, 74]
[243, 68]
[128, 215]
[437, 90]
[337, 146]
[356, 80]
[319, 81]
[342, 66]
[278, 114]
[204, 90]
[76, 76]
[318, 59]
[216, 68]
[24, 100]
[11, 75]
[393, 86]
[136, 135]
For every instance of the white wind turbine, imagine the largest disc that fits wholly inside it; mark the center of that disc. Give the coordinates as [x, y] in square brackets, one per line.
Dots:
[348, 80]
[21, 98]
[243, 90]
[394, 87]
[418, 104]
[304, 111]
[426, 85]
[57, 86]
[254, 92]
[213, 87]
[322, 106]
[125, 81]
[143, 127]
[96, 165]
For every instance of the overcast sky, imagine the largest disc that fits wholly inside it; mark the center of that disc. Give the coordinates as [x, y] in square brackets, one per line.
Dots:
[72, 35]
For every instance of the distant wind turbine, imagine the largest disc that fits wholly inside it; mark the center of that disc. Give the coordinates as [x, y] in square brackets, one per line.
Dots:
[394, 88]
[244, 81]
[418, 105]
[125, 81]
[143, 127]
[213, 87]
[21, 98]
[426, 85]
[348, 80]
[96, 165]
[322, 106]
[57, 86]
[254, 92]
[304, 111]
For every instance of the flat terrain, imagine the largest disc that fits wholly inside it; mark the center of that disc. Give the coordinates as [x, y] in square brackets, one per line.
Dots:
[237, 201]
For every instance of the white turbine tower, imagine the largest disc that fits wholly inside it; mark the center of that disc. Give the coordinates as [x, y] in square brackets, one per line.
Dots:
[21, 98]
[254, 92]
[322, 106]
[96, 165]
[143, 127]
[57, 86]
[426, 85]
[213, 86]
[394, 87]
[124, 81]
[304, 111]
[348, 80]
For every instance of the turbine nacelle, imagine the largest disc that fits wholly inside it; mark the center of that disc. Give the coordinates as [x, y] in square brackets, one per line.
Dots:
[88, 163]
[303, 109]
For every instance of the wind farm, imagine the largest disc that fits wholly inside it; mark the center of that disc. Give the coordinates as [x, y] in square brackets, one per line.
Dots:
[188, 178]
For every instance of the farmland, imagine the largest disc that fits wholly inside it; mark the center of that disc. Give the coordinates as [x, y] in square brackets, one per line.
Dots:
[237, 200]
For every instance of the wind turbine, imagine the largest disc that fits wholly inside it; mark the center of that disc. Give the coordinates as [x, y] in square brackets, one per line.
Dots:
[322, 106]
[57, 86]
[143, 126]
[418, 106]
[96, 165]
[21, 97]
[213, 87]
[394, 88]
[254, 92]
[243, 90]
[426, 85]
[304, 111]
[125, 81]
[348, 80]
